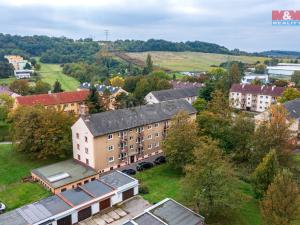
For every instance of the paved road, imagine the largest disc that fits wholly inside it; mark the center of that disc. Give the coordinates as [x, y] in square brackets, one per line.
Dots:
[133, 165]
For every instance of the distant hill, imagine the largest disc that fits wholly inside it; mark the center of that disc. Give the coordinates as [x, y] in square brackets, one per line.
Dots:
[281, 54]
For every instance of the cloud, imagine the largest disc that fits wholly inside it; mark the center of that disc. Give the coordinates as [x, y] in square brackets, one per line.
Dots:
[233, 23]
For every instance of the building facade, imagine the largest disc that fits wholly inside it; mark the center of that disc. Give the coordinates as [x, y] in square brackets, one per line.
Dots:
[73, 102]
[189, 94]
[109, 140]
[254, 97]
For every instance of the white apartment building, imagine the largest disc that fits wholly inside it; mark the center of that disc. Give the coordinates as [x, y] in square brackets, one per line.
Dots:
[253, 97]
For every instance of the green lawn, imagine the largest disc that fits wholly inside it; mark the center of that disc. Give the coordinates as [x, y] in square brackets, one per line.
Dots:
[52, 72]
[14, 166]
[4, 131]
[7, 81]
[163, 181]
[191, 61]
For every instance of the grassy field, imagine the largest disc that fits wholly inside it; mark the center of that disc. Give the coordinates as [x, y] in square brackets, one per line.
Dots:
[191, 61]
[4, 131]
[164, 182]
[52, 72]
[13, 166]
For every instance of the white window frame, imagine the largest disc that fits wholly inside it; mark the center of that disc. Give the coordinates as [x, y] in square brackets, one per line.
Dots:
[110, 148]
[86, 150]
[111, 157]
[110, 136]
[149, 136]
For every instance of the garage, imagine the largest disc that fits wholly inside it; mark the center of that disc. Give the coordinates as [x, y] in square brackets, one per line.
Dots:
[127, 194]
[105, 204]
[84, 214]
[65, 221]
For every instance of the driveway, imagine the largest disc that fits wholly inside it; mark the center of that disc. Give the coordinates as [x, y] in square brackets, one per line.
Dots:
[121, 214]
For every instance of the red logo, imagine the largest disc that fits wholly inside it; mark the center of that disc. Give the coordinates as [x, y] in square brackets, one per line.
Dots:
[286, 15]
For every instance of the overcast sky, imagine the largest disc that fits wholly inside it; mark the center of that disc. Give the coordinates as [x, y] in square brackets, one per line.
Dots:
[243, 24]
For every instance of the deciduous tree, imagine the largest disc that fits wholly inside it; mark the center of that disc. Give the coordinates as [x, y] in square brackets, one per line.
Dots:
[289, 94]
[57, 87]
[117, 81]
[20, 86]
[6, 104]
[180, 141]
[42, 87]
[281, 204]
[149, 65]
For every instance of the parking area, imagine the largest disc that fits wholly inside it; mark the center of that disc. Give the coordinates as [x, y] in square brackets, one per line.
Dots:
[119, 215]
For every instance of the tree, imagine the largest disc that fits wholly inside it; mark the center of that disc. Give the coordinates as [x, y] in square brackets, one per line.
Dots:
[27, 66]
[260, 68]
[6, 104]
[20, 87]
[177, 147]
[41, 133]
[289, 94]
[209, 181]
[149, 65]
[42, 87]
[296, 78]
[275, 134]
[200, 104]
[281, 204]
[125, 101]
[94, 102]
[264, 173]
[57, 87]
[234, 75]
[117, 81]
[6, 69]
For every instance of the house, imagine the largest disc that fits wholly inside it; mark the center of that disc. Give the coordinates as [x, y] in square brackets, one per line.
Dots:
[167, 212]
[75, 205]
[109, 140]
[181, 84]
[293, 111]
[5, 90]
[65, 175]
[254, 97]
[67, 101]
[21, 74]
[101, 88]
[189, 94]
[17, 61]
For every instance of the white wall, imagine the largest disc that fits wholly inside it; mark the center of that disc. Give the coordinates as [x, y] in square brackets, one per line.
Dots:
[150, 99]
[95, 208]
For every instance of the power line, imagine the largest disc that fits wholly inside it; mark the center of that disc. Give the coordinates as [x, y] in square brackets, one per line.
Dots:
[106, 34]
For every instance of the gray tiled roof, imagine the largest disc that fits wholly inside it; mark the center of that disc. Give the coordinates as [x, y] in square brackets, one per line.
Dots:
[76, 196]
[175, 214]
[116, 179]
[122, 119]
[293, 108]
[76, 171]
[97, 188]
[171, 94]
[147, 219]
[12, 218]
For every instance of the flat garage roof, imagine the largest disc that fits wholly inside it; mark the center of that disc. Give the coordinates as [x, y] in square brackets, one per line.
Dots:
[62, 173]
[116, 179]
[97, 188]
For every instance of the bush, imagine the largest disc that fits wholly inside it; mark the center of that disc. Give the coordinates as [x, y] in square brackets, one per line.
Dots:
[143, 189]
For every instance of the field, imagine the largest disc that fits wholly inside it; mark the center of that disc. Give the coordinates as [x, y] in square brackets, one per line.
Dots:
[191, 61]
[52, 72]
[163, 181]
[4, 131]
[13, 166]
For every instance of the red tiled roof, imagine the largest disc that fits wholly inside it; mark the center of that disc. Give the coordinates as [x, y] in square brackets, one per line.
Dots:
[53, 98]
[257, 89]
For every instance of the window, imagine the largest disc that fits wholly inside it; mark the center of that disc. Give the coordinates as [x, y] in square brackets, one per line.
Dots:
[130, 138]
[78, 146]
[86, 181]
[72, 104]
[110, 148]
[123, 155]
[63, 189]
[86, 150]
[87, 161]
[78, 157]
[110, 136]
[156, 124]
[85, 139]
[131, 146]
[111, 159]
[156, 134]
[149, 146]
[77, 135]
[93, 179]
[149, 127]
[150, 136]
[139, 129]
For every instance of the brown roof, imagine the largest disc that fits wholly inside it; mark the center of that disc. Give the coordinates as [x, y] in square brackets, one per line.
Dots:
[257, 89]
[53, 98]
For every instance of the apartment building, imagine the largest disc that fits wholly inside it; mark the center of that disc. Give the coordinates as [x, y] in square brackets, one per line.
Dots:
[66, 101]
[109, 140]
[189, 94]
[254, 97]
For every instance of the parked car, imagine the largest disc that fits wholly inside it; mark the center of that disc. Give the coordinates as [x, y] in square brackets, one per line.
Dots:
[160, 160]
[129, 171]
[2, 207]
[143, 166]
